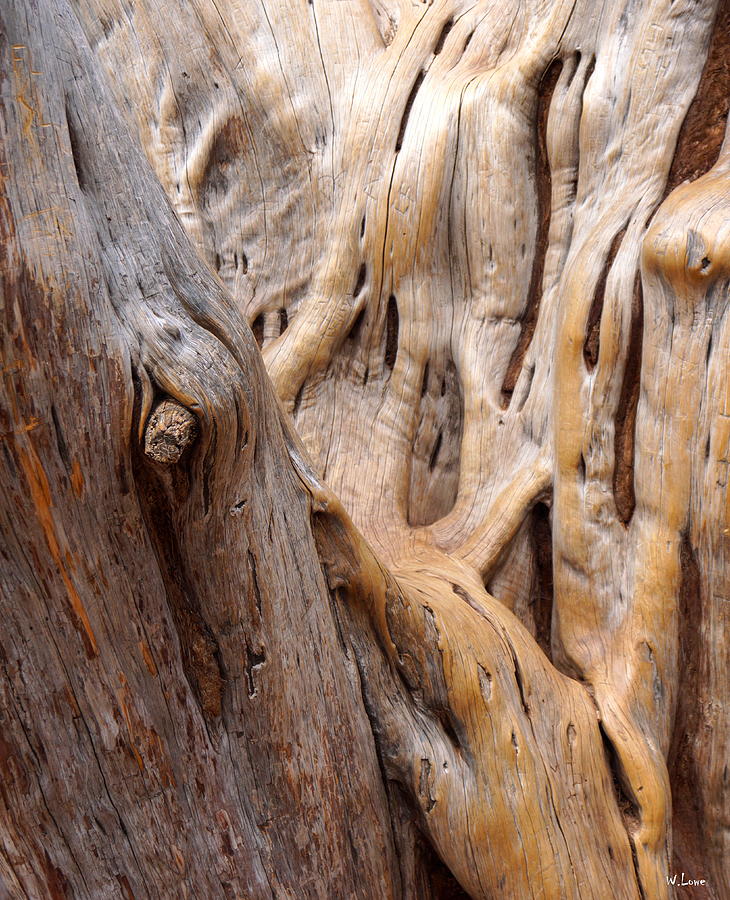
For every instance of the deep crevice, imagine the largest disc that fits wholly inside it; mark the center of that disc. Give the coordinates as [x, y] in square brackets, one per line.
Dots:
[582, 468]
[435, 452]
[424, 382]
[407, 111]
[391, 332]
[439, 46]
[360, 281]
[60, 440]
[543, 182]
[257, 326]
[688, 811]
[75, 151]
[625, 429]
[424, 789]
[703, 130]
[592, 344]
[519, 678]
[298, 400]
[440, 882]
[253, 572]
[542, 603]
[283, 320]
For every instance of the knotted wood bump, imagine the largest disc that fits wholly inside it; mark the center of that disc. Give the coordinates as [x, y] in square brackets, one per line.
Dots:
[170, 430]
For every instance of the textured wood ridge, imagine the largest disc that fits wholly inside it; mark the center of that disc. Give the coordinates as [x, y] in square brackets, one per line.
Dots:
[450, 616]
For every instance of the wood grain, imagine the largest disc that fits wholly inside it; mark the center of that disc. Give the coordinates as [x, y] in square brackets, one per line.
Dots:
[459, 589]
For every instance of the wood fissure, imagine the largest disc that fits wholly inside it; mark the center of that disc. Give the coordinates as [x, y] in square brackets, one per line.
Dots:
[704, 126]
[543, 183]
[623, 474]
[591, 347]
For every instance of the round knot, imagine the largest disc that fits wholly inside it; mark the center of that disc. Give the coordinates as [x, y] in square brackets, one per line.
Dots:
[171, 429]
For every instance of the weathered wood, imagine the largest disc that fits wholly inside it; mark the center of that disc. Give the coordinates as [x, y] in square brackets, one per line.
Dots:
[178, 718]
[484, 249]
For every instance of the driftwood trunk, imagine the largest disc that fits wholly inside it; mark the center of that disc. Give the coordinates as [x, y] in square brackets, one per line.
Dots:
[419, 586]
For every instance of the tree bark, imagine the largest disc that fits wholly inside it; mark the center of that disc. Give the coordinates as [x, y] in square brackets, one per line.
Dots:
[438, 606]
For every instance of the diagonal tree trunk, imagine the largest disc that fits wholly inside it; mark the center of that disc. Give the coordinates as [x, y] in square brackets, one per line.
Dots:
[463, 630]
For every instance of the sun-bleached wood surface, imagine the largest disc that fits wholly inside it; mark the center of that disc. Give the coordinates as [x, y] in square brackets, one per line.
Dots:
[477, 603]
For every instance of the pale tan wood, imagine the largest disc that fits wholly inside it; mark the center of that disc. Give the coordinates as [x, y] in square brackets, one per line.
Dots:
[448, 226]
